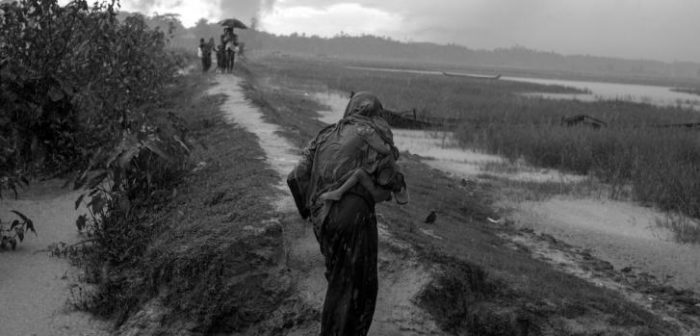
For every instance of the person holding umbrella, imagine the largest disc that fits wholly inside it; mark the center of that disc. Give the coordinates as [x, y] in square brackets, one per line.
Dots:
[230, 41]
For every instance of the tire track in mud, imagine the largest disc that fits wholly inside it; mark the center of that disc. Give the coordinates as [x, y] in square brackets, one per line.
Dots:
[400, 278]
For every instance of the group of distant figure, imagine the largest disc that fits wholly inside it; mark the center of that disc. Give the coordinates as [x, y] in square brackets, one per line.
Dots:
[225, 52]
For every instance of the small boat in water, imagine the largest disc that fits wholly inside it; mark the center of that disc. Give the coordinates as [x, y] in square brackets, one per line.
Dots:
[457, 74]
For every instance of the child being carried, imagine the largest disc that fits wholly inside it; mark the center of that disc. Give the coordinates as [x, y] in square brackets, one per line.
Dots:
[383, 179]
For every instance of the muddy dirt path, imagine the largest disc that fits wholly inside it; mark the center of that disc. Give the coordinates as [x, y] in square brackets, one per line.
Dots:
[35, 287]
[399, 278]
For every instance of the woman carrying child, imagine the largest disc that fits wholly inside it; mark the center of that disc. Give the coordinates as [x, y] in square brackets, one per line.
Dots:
[345, 170]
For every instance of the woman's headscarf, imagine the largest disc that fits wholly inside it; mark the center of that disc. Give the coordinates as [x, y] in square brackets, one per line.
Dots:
[363, 108]
[363, 104]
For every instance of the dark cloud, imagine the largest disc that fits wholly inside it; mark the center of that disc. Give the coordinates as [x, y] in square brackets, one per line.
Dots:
[245, 10]
[663, 30]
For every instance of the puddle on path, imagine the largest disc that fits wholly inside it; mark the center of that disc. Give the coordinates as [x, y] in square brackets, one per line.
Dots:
[34, 286]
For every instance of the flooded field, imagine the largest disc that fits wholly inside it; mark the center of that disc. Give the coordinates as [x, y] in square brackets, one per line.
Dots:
[651, 94]
[625, 234]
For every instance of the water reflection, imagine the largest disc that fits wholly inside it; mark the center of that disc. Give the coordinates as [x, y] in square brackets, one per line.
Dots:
[650, 94]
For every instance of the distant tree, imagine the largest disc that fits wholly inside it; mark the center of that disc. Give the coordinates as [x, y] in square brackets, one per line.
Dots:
[201, 28]
[168, 23]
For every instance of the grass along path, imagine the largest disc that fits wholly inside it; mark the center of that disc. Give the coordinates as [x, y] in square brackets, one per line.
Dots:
[483, 280]
[400, 279]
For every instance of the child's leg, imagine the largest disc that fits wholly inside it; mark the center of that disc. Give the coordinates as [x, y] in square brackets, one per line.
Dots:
[358, 176]
[369, 184]
[362, 177]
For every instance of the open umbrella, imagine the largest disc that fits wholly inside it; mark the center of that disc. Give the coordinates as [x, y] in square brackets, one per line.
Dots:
[233, 23]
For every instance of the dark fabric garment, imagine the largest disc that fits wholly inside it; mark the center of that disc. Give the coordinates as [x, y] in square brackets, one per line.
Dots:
[206, 56]
[206, 63]
[220, 57]
[340, 149]
[348, 242]
[347, 230]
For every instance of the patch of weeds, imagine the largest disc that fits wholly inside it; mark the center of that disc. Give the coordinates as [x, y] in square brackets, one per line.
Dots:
[502, 167]
[685, 230]
[463, 299]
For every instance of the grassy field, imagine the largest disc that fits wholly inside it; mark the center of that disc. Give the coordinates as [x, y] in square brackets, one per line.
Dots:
[484, 286]
[661, 166]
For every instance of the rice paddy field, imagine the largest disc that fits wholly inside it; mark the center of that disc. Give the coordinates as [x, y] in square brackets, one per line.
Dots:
[637, 153]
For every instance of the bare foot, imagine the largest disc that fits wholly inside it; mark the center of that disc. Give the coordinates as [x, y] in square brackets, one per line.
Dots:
[331, 196]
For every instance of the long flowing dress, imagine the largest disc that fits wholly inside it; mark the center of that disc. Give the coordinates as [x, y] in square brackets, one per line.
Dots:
[346, 230]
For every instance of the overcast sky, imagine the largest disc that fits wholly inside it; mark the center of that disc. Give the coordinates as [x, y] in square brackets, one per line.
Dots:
[665, 30]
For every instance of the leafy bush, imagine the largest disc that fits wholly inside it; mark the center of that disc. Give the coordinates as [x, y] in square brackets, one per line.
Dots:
[74, 78]
[16, 230]
[83, 91]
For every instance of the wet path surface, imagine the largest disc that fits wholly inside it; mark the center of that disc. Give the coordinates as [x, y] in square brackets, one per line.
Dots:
[277, 149]
[399, 280]
[35, 287]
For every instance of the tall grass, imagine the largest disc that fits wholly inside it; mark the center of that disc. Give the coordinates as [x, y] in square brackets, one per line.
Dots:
[661, 166]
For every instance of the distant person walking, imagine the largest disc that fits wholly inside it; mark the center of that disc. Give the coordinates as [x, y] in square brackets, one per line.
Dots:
[345, 170]
[230, 42]
[219, 50]
[212, 50]
[205, 54]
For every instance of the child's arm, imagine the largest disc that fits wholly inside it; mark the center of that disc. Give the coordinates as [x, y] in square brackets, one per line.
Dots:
[337, 194]
[378, 144]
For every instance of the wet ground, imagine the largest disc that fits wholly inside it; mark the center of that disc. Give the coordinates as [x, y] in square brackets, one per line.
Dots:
[400, 278]
[623, 233]
[35, 288]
